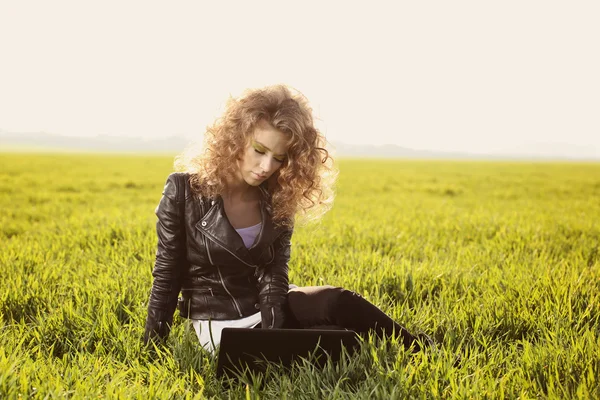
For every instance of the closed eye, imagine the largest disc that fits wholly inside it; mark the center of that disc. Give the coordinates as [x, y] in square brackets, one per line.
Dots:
[279, 160]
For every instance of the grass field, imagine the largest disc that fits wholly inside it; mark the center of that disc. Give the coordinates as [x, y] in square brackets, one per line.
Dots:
[499, 262]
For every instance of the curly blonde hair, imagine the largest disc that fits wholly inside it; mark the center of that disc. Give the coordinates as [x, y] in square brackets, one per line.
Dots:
[301, 187]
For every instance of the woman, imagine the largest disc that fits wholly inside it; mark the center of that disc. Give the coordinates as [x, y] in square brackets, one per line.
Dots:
[225, 227]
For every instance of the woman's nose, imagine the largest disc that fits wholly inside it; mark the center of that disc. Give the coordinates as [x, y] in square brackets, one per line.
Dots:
[265, 164]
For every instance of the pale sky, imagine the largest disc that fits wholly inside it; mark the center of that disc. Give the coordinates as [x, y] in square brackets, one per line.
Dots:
[473, 76]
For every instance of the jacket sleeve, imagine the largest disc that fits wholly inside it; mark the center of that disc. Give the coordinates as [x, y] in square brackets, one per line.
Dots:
[273, 286]
[170, 255]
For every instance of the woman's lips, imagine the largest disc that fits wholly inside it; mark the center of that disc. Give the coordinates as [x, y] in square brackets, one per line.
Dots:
[259, 176]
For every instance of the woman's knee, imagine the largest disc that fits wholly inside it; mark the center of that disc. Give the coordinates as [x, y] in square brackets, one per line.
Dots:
[336, 300]
[313, 305]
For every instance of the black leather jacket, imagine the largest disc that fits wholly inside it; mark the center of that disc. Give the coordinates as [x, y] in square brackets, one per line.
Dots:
[201, 255]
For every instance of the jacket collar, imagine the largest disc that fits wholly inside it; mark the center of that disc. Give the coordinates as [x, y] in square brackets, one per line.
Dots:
[215, 225]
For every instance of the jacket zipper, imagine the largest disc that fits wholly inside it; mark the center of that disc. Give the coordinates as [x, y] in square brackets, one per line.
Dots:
[237, 307]
[208, 252]
[226, 249]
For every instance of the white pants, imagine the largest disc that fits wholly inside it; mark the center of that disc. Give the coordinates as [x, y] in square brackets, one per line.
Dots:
[209, 331]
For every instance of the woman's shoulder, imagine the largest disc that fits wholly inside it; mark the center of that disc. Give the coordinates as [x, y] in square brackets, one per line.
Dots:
[178, 187]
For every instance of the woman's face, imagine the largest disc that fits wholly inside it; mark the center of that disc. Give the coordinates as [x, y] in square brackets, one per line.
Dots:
[263, 155]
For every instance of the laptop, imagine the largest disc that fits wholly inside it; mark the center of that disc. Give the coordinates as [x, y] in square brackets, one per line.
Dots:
[244, 349]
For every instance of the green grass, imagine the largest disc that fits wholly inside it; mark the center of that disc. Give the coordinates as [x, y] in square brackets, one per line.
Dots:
[499, 262]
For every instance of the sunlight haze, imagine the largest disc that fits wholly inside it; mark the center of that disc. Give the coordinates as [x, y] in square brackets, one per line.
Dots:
[447, 76]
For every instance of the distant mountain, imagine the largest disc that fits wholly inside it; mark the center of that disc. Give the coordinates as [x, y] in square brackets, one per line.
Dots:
[100, 143]
[536, 151]
[41, 141]
[392, 151]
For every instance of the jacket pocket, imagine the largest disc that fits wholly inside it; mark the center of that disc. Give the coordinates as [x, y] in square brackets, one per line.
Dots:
[193, 300]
